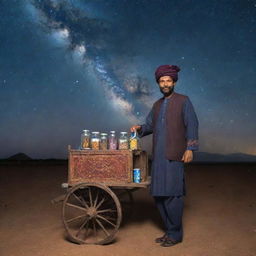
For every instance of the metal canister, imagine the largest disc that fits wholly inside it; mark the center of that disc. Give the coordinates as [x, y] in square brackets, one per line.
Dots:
[136, 175]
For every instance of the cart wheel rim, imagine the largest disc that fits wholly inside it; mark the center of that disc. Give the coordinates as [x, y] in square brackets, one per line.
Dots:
[91, 214]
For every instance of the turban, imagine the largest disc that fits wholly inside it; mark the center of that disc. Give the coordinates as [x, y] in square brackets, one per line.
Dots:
[167, 70]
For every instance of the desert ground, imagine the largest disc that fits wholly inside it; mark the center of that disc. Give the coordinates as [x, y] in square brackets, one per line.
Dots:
[219, 215]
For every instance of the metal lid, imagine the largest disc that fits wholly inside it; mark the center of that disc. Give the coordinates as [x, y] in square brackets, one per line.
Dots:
[95, 132]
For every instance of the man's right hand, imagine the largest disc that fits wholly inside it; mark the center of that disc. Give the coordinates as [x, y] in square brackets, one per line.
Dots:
[135, 128]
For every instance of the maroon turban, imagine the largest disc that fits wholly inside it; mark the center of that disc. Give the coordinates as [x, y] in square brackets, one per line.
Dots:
[167, 70]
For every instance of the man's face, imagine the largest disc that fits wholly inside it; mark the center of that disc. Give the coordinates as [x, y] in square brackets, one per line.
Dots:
[166, 85]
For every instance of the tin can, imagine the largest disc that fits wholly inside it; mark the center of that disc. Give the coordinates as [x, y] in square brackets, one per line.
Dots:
[136, 175]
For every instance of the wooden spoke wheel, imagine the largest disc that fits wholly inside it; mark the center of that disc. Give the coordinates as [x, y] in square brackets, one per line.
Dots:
[91, 214]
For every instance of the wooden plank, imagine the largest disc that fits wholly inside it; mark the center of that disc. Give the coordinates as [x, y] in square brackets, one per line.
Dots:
[124, 185]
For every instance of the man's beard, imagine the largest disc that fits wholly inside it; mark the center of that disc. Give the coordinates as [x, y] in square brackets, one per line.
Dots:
[165, 92]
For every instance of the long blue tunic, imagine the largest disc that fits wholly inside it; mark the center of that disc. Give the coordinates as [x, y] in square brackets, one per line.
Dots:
[167, 177]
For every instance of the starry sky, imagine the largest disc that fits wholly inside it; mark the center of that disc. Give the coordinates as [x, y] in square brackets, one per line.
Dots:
[69, 65]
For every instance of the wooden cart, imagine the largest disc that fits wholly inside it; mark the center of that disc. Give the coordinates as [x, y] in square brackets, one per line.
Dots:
[99, 189]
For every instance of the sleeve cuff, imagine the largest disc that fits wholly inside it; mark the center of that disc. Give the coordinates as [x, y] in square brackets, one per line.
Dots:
[192, 145]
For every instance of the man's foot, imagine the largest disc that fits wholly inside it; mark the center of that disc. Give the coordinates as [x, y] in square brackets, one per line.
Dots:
[169, 242]
[161, 239]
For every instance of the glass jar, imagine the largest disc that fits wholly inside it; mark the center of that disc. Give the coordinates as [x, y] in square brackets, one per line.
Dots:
[134, 141]
[85, 139]
[95, 140]
[112, 141]
[103, 141]
[123, 141]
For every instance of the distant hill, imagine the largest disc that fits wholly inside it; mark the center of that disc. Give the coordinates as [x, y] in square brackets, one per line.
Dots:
[19, 156]
[236, 157]
[198, 157]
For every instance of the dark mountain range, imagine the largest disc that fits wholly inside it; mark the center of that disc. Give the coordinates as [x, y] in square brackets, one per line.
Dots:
[236, 157]
[198, 157]
[19, 156]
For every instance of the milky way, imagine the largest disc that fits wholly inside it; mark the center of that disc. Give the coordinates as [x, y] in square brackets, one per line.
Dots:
[88, 37]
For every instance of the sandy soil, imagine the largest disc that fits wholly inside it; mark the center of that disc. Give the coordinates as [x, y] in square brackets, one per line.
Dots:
[219, 216]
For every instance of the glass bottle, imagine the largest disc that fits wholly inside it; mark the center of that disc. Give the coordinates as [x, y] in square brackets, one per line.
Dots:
[123, 141]
[95, 141]
[112, 141]
[134, 141]
[85, 139]
[103, 141]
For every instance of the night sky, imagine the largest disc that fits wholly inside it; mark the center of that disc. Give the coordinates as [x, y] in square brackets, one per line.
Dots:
[71, 65]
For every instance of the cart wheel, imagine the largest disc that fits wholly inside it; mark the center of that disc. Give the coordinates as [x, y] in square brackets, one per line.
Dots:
[91, 214]
[126, 199]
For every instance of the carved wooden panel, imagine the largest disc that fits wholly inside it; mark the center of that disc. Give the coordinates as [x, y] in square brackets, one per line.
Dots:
[100, 166]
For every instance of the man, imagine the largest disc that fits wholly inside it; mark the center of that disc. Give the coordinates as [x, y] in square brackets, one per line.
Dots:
[174, 125]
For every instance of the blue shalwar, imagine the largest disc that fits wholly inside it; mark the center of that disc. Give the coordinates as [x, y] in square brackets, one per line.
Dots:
[167, 177]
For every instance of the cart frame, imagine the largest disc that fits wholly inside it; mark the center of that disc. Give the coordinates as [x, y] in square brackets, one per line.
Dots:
[99, 189]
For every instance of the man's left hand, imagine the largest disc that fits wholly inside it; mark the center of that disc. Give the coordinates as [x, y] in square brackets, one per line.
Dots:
[188, 156]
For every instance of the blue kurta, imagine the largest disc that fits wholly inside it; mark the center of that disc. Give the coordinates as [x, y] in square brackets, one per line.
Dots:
[167, 177]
